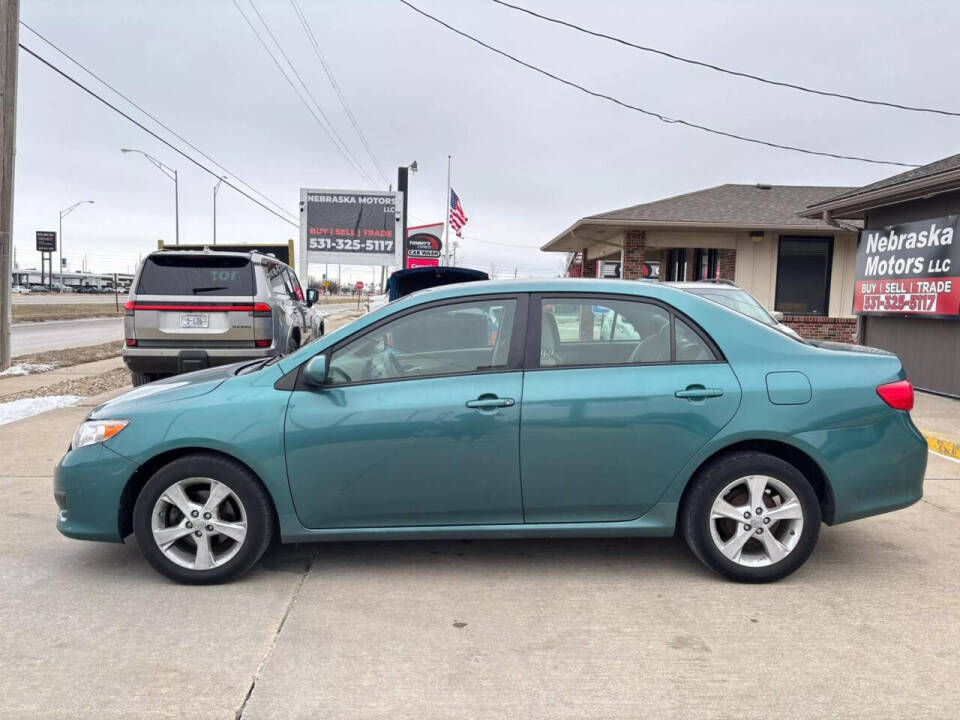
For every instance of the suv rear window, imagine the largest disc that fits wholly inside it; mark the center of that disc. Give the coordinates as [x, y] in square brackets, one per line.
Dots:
[205, 276]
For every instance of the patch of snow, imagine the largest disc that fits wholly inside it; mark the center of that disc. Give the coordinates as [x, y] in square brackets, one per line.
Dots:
[20, 409]
[28, 368]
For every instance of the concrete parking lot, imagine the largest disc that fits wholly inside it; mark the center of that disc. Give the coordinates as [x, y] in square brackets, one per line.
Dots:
[869, 627]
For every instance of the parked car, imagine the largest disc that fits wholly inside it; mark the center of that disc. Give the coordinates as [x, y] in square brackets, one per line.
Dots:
[415, 422]
[736, 298]
[192, 310]
[403, 282]
[21, 289]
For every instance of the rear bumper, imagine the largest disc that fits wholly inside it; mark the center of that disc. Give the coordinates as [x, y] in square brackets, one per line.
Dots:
[88, 486]
[174, 361]
[872, 469]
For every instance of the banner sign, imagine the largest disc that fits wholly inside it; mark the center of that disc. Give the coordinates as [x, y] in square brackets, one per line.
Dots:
[46, 241]
[909, 269]
[352, 227]
[424, 245]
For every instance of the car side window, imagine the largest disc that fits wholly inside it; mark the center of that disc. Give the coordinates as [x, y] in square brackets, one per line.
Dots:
[445, 340]
[278, 284]
[296, 291]
[691, 347]
[599, 331]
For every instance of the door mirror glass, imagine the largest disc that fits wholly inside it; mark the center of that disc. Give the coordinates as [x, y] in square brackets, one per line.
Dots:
[312, 296]
[315, 372]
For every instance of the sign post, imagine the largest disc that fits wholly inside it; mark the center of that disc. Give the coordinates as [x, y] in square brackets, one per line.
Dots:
[909, 269]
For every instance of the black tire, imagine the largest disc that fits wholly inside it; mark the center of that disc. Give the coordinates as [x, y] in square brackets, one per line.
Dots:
[141, 378]
[293, 344]
[251, 493]
[695, 515]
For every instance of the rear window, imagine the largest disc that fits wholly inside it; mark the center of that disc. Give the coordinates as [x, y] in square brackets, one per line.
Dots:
[196, 276]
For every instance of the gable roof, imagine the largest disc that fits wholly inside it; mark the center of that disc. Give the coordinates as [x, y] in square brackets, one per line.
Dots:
[944, 173]
[775, 206]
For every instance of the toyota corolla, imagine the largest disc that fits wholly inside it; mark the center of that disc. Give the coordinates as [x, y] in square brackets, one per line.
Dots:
[506, 409]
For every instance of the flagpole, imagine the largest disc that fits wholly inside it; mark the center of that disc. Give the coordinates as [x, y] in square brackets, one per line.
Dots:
[446, 219]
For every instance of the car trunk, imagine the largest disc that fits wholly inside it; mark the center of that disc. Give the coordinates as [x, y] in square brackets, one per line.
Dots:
[198, 301]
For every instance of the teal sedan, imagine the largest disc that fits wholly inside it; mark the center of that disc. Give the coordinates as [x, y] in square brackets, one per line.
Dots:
[577, 408]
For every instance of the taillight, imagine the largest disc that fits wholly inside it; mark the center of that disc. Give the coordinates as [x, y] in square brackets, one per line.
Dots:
[131, 342]
[129, 307]
[898, 395]
[261, 309]
[262, 343]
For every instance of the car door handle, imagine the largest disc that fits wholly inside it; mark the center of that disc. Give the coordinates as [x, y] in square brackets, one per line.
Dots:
[698, 392]
[489, 403]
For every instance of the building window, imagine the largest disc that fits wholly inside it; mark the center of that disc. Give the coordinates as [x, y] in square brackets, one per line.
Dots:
[803, 275]
[705, 264]
[676, 265]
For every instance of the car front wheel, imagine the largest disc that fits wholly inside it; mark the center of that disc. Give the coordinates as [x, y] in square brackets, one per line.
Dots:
[203, 519]
[751, 517]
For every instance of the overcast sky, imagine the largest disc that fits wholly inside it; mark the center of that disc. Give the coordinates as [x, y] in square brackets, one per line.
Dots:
[530, 156]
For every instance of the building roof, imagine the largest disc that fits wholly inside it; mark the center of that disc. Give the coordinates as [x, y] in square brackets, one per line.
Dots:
[730, 207]
[940, 176]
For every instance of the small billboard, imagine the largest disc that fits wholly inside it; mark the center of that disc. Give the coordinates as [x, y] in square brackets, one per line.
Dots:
[424, 245]
[46, 241]
[352, 227]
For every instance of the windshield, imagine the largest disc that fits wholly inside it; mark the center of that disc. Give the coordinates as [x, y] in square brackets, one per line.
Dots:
[739, 300]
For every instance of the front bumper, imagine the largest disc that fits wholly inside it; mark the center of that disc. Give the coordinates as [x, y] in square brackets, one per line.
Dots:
[175, 361]
[88, 486]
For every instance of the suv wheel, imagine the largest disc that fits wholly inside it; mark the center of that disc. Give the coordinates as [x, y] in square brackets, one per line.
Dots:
[203, 519]
[141, 378]
[293, 344]
[751, 517]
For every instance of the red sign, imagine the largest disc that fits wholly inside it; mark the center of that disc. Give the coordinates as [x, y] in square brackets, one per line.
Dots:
[359, 285]
[424, 245]
[909, 269]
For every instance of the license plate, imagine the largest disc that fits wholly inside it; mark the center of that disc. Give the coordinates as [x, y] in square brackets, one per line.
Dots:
[194, 321]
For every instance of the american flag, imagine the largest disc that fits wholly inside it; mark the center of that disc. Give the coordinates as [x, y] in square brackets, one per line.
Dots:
[457, 218]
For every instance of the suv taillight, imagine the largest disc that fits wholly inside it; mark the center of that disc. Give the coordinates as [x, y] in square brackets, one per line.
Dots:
[898, 395]
[262, 310]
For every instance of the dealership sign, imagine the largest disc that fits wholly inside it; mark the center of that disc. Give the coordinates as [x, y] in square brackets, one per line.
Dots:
[353, 227]
[424, 245]
[909, 269]
[46, 241]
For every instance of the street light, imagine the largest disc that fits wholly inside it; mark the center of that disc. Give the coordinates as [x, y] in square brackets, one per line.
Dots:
[216, 187]
[170, 173]
[63, 214]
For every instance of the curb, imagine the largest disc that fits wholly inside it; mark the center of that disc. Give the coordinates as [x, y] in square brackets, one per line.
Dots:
[942, 445]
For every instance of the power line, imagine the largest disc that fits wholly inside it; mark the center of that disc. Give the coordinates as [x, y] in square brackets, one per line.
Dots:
[659, 116]
[336, 86]
[156, 120]
[331, 132]
[153, 134]
[718, 68]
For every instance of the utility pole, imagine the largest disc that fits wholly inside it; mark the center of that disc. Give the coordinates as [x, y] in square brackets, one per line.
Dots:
[10, 27]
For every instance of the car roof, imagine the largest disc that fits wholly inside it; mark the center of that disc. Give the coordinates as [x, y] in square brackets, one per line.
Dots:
[252, 255]
[657, 290]
[698, 285]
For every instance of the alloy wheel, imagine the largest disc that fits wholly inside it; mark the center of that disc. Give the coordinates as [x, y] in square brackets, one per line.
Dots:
[199, 523]
[756, 521]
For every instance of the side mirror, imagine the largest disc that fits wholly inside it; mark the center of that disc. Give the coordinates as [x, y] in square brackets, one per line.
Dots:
[777, 315]
[315, 372]
[312, 296]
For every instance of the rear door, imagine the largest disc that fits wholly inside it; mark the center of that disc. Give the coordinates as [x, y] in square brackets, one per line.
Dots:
[609, 419]
[192, 300]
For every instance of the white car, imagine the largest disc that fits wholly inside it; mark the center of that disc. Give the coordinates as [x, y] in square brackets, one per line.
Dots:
[22, 289]
[736, 298]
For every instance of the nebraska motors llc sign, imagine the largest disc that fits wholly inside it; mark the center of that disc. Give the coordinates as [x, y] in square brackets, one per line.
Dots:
[909, 269]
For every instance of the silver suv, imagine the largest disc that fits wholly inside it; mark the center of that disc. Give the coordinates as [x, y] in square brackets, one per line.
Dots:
[192, 310]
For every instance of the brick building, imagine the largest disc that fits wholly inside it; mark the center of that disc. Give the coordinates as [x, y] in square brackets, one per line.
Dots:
[751, 234]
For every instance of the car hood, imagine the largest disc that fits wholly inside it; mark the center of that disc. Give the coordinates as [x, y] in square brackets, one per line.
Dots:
[179, 387]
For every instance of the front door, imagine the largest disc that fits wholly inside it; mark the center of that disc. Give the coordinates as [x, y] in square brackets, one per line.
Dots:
[625, 393]
[418, 425]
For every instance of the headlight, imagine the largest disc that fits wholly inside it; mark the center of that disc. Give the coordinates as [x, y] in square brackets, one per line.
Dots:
[95, 431]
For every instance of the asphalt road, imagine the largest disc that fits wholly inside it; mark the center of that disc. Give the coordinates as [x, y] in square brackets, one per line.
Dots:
[868, 628]
[59, 334]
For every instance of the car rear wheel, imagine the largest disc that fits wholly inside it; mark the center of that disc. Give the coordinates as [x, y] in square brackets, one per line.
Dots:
[751, 517]
[203, 519]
